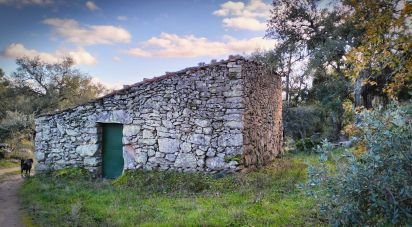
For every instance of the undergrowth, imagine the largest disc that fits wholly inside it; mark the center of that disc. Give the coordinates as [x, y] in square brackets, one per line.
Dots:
[70, 197]
[9, 163]
[372, 188]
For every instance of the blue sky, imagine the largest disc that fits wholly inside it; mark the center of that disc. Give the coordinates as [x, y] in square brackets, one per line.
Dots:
[124, 41]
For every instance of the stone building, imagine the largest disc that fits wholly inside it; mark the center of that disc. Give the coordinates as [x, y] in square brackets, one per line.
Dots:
[224, 116]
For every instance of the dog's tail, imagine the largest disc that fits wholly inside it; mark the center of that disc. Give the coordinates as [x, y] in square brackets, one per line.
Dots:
[21, 162]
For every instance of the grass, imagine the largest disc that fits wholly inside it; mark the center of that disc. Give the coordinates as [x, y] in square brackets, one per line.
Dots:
[9, 163]
[260, 198]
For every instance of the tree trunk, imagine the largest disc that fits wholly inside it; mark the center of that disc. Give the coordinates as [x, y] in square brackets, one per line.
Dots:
[288, 79]
[358, 88]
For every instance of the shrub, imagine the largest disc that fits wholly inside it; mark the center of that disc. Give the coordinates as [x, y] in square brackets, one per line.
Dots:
[305, 125]
[16, 124]
[306, 144]
[303, 121]
[19, 155]
[18, 148]
[375, 188]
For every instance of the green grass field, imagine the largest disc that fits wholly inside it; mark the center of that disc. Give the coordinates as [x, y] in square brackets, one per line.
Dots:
[269, 196]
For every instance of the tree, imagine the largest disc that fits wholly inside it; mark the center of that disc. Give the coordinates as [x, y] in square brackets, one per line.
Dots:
[366, 41]
[313, 40]
[381, 63]
[363, 46]
[38, 87]
[312, 31]
[295, 85]
[330, 92]
[54, 86]
[4, 88]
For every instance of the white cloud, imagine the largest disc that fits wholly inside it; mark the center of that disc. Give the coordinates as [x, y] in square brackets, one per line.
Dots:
[116, 58]
[244, 23]
[238, 15]
[88, 35]
[109, 85]
[229, 8]
[80, 56]
[175, 46]
[255, 8]
[91, 6]
[122, 18]
[21, 3]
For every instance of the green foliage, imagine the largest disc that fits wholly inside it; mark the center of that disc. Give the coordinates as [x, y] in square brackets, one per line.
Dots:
[4, 89]
[18, 154]
[55, 86]
[331, 91]
[265, 197]
[16, 130]
[305, 125]
[306, 144]
[348, 116]
[376, 188]
[38, 87]
[15, 124]
[313, 40]
[9, 163]
[383, 53]
[70, 173]
[367, 42]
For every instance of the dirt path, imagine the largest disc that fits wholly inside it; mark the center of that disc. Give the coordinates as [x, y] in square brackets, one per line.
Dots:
[8, 170]
[9, 204]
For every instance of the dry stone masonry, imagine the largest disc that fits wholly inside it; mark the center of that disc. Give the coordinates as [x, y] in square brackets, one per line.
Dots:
[219, 117]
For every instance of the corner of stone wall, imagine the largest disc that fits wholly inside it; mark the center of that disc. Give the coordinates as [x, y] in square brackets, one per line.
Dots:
[59, 143]
[40, 149]
[263, 130]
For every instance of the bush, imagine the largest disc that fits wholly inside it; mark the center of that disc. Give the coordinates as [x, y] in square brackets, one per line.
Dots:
[18, 148]
[303, 121]
[306, 144]
[376, 188]
[16, 124]
[19, 155]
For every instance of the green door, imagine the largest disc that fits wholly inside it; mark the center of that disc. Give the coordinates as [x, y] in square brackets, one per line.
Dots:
[112, 150]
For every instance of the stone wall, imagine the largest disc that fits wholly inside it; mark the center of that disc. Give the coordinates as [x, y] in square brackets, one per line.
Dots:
[263, 130]
[190, 120]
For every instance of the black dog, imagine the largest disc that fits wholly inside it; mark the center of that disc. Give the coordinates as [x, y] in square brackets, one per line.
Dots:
[25, 166]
